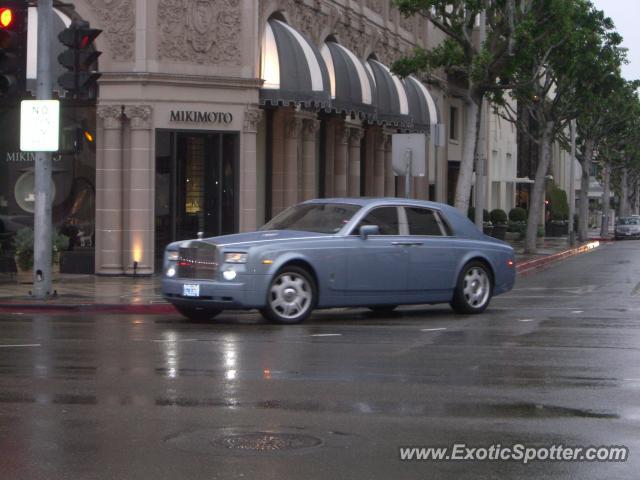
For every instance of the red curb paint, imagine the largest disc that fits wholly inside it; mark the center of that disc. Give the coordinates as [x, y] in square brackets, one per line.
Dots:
[131, 309]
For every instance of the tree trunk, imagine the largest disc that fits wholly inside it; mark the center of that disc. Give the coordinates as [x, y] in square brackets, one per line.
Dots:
[606, 174]
[465, 177]
[624, 195]
[537, 196]
[583, 211]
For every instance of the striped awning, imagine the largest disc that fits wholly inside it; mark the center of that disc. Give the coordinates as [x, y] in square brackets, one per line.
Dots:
[352, 86]
[292, 68]
[391, 97]
[421, 105]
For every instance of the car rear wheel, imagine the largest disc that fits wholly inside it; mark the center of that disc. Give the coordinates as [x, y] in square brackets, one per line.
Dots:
[473, 290]
[291, 296]
[198, 314]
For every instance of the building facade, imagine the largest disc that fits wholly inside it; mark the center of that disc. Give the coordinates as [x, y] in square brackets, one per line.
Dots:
[214, 115]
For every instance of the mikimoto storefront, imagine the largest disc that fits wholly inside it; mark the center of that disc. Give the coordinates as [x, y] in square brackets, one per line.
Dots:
[178, 169]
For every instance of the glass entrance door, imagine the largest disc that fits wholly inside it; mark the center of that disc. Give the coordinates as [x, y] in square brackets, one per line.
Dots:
[196, 184]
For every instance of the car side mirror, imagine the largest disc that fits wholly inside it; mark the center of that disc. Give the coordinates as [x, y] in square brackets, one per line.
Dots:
[366, 230]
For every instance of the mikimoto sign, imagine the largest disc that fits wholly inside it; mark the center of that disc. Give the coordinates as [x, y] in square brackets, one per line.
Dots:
[39, 125]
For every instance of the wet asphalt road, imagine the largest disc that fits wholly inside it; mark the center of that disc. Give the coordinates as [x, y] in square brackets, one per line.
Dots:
[556, 361]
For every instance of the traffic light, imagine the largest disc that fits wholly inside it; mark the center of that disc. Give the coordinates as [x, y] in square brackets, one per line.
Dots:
[13, 48]
[79, 59]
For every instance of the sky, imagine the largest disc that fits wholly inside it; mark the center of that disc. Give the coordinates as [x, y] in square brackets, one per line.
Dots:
[625, 14]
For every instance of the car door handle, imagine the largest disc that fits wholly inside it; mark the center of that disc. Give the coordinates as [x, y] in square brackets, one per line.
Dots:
[406, 244]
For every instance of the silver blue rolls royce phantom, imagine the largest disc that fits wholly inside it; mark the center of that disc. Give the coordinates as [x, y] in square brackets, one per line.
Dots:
[341, 252]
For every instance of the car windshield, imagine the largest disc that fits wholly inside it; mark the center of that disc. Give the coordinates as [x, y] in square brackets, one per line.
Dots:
[314, 217]
[629, 221]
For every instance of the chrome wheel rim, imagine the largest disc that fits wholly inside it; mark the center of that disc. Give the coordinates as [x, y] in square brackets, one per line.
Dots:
[290, 295]
[476, 287]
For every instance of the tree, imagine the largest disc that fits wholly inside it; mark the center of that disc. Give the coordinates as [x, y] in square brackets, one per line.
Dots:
[472, 69]
[563, 42]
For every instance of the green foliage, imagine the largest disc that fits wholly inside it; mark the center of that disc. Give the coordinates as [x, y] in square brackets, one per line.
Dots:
[471, 214]
[558, 205]
[498, 216]
[517, 227]
[518, 214]
[23, 246]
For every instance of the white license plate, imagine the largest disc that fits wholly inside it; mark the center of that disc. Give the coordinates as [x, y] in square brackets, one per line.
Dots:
[190, 290]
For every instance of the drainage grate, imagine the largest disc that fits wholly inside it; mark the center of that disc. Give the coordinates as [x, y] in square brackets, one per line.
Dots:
[267, 442]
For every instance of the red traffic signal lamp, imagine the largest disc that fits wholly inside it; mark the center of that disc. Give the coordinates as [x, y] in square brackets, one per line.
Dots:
[79, 59]
[13, 47]
[6, 17]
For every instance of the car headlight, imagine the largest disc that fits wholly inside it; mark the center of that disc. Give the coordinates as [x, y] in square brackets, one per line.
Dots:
[173, 256]
[235, 257]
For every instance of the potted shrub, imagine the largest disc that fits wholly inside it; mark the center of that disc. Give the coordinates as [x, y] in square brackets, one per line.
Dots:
[23, 246]
[498, 218]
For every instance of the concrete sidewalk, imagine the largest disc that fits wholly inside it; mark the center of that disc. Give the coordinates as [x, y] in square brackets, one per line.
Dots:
[142, 294]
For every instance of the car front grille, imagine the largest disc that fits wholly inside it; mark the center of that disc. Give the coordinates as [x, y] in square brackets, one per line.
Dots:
[198, 261]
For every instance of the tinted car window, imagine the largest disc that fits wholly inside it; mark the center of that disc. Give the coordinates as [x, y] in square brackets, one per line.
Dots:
[314, 217]
[386, 218]
[629, 221]
[422, 221]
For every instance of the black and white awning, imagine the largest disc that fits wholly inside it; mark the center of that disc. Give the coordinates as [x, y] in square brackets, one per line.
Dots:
[352, 86]
[421, 105]
[391, 97]
[292, 68]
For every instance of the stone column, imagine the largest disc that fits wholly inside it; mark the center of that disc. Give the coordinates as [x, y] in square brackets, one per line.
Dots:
[389, 178]
[309, 182]
[248, 171]
[329, 157]
[354, 161]
[369, 161]
[277, 165]
[108, 230]
[292, 129]
[342, 134]
[378, 164]
[139, 183]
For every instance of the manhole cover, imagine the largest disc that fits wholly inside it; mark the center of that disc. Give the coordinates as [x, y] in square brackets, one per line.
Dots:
[267, 442]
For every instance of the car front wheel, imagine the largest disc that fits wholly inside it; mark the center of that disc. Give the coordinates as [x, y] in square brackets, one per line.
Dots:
[198, 314]
[473, 290]
[291, 296]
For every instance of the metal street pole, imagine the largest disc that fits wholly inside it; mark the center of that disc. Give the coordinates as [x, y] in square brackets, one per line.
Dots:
[481, 147]
[42, 234]
[572, 184]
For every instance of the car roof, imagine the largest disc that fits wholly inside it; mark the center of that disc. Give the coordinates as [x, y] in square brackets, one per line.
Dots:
[368, 201]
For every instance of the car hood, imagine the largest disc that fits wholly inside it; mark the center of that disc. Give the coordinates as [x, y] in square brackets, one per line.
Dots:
[264, 236]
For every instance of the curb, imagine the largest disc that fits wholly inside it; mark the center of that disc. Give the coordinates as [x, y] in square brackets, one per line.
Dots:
[522, 269]
[531, 266]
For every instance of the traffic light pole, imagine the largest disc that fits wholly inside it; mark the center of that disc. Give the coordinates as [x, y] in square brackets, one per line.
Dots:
[42, 244]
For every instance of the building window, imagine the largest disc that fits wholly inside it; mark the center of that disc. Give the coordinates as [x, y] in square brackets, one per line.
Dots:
[453, 124]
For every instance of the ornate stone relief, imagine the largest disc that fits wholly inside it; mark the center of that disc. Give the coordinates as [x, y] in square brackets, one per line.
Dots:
[140, 115]
[310, 127]
[292, 127]
[117, 19]
[200, 31]
[111, 116]
[356, 136]
[375, 5]
[252, 117]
